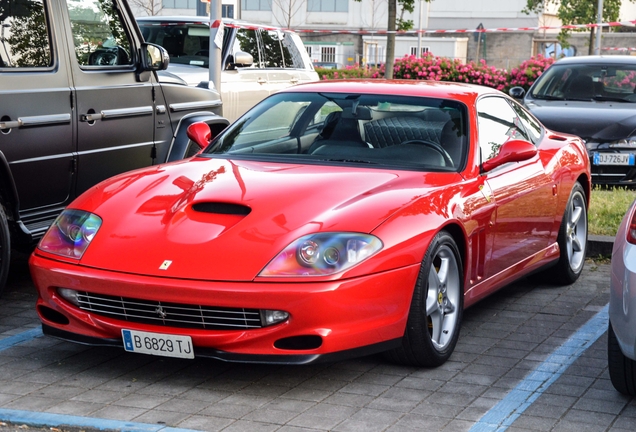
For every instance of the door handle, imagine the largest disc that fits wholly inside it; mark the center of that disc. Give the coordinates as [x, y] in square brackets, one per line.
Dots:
[294, 80]
[36, 121]
[261, 80]
[117, 113]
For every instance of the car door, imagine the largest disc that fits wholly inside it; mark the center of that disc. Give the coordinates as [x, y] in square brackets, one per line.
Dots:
[525, 196]
[114, 105]
[243, 85]
[36, 123]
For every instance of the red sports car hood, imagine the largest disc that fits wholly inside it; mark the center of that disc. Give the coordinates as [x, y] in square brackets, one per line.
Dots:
[225, 220]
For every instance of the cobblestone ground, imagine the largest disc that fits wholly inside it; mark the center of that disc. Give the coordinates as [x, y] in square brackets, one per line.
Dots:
[503, 339]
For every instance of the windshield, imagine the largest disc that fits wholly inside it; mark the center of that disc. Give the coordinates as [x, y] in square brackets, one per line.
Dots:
[186, 43]
[587, 82]
[335, 128]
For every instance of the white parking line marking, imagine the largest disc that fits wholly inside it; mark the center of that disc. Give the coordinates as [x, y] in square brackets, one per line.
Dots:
[502, 415]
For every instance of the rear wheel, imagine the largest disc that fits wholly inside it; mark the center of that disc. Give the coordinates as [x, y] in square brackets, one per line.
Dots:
[436, 310]
[5, 249]
[622, 370]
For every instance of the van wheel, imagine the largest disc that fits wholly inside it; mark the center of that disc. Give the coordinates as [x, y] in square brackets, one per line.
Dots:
[5, 249]
[435, 317]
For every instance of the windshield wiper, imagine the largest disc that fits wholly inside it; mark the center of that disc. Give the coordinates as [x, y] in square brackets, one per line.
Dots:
[610, 98]
[350, 160]
[547, 97]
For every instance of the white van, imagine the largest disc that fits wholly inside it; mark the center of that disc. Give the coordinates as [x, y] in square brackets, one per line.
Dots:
[257, 62]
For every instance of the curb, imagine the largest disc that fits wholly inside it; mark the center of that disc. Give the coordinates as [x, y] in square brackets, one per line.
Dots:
[598, 245]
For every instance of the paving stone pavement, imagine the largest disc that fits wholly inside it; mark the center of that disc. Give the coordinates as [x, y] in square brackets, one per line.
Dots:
[503, 339]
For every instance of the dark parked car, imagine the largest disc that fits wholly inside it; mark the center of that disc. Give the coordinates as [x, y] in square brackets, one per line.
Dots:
[592, 97]
[81, 101]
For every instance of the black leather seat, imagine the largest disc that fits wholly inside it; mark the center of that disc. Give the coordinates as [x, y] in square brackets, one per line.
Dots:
[389, 131]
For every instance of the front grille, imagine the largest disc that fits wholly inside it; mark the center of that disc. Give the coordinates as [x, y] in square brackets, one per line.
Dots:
[169, 314]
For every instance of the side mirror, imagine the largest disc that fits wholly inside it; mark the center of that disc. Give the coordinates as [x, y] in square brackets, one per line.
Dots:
[154, 57]
[517, 92]
[511, 151]
[241, 58]
[200, 134]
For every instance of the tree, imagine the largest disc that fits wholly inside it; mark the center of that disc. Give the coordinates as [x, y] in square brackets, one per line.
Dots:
[394, 24]
[577, 12]
[150, 7]
[288, 9]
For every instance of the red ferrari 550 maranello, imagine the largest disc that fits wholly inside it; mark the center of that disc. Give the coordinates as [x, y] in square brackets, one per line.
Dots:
[334, 219]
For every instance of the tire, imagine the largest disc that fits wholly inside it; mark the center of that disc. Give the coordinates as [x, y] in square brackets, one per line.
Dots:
[572, 240]
[622, 370]
[436, 310]
[5, 249]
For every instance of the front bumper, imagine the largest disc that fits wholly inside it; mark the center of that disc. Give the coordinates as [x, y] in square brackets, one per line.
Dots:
[352, 317]
[612, 174]
[622, 305]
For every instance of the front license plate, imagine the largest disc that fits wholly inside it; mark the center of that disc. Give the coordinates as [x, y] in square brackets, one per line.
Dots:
[613, 159]
[159, 344]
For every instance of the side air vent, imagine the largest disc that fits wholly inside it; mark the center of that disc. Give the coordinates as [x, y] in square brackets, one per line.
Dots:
[222, 208]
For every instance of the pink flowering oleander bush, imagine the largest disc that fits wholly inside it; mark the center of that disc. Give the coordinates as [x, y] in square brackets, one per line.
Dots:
[435, 68]
[349, 71]
[528, 71]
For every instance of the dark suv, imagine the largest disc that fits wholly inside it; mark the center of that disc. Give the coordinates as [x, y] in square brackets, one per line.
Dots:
[80, 101]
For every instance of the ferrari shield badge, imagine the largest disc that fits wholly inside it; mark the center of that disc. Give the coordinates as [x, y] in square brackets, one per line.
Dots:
[164, 265]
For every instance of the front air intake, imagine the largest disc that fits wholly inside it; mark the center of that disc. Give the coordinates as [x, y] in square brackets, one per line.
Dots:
[222, 208]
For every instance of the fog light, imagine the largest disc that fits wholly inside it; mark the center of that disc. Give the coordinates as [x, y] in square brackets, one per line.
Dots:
[271, 317]
[68, 295]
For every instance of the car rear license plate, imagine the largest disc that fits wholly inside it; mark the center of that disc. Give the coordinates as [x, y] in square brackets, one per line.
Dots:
[613, 159]
[159, 344]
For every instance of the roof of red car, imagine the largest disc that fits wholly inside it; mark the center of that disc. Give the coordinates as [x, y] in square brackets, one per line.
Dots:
[437, 89]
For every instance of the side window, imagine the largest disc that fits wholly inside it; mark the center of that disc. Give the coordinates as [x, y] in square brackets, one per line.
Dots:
[247, 41]
[532, 127]
[498, 123]
[272, 53]
[291, 51]
[98, 33]
[24, 35]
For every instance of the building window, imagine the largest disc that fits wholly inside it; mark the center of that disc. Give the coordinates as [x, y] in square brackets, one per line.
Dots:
[308, 48]
[259, 5]
[227, 11]
[327, 5]
[328, 54]
[422, 54]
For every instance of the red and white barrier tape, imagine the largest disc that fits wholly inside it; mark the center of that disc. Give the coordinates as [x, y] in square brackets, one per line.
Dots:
[405, 32]
[426, 31]
[618, 49]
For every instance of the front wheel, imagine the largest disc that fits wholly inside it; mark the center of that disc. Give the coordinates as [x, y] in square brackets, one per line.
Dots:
[622, 370]
[434, 320]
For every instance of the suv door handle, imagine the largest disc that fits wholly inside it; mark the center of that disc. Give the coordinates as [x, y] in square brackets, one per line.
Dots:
[116, 113]
[294, 80]
[261, 80]
[36, 121]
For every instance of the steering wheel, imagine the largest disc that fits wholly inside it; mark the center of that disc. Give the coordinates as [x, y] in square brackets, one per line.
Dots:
[430, 144]
[104, 58]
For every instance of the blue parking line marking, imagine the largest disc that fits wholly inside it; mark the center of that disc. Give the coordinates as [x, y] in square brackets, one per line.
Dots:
[39, 419]
[502, 415]
[19, 338]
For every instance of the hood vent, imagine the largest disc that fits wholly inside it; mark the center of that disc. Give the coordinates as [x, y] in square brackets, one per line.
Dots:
[222, 208]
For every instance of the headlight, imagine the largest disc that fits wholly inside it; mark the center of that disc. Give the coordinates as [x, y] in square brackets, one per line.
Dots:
[322, 254]
[626, 142]
[71, 233]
